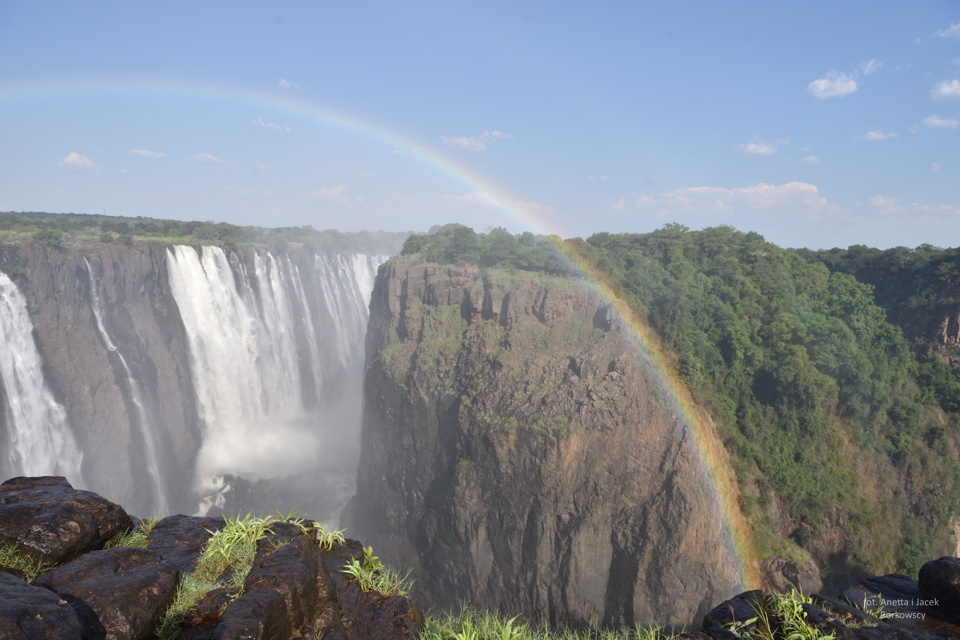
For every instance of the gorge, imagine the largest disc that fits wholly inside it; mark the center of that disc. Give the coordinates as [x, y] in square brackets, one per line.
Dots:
[627, 430]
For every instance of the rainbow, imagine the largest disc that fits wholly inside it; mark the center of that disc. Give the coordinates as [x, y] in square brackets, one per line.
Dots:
[717, 473]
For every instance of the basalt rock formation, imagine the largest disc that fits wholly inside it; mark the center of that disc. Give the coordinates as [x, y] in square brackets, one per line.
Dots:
[294, 589]
[518, 454]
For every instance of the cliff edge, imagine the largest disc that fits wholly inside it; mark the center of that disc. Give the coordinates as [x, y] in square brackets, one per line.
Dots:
[517, 453]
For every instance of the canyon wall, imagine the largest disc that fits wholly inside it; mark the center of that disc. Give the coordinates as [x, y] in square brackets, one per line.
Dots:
[175, 367]
[518, 454]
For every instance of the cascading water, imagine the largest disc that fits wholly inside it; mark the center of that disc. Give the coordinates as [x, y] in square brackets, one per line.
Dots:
[136, 395]
[276, 358]
[38, 438]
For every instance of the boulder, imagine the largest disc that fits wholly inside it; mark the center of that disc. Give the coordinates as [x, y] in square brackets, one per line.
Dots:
[28, 611]
[287, 562]
[940, 583]
[179, 539]
[257, 615]
[120, 592]
[48, 519]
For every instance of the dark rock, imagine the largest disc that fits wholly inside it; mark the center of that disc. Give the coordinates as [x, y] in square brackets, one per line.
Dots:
[718, 633]
[179, 539]
[199, 622]
[257, 615]
[940, 582]
[366, 614]
[287, 562]
[122, 591]
[900, 605]
[48, 519]
[827, 622]
[29, 612]
[734, 611]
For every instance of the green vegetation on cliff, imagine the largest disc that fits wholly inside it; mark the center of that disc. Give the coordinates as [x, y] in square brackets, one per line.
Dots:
[55, 228]
[827, 414]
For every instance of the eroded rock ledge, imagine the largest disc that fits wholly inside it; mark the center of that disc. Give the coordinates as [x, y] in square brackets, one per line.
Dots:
[294, 590]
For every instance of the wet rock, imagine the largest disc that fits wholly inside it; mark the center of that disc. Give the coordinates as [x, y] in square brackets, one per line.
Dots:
[120, 592]
[48, 519]
[287, 562]
[28, 611]
[940, 582]
[179, 539]
[199, 622]
[735, 611]
[260, 614]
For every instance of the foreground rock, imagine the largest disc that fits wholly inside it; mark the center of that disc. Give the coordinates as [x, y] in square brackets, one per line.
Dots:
[122, 591]
[51, 521]
[889, 606]
[294, 589]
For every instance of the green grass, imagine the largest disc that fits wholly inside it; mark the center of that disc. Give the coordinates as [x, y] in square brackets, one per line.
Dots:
[470, 624]
[136, 537]
[225, 561]
[788, 609]
[12, 558]
[372, 575]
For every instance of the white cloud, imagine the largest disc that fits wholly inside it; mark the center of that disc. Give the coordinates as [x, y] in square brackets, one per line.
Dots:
[474, 143]
[396, 153]
[476, 197]
[207, 157]
[876, 135]
[936, 122]
[758, 197]
[889, 206]
[143, 153]
[619, 205]
[934, 167]
[946, 90]
[270, 125]
[758, 147]
[332, 194]
[810, 159]
[78, 162]
[953, 31]
[286, 85]
[260, 166]
[833, 84]
[598, 178]
[870, 67]
[531, 206]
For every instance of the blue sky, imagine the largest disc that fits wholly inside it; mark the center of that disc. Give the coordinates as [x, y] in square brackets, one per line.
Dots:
[813, 123]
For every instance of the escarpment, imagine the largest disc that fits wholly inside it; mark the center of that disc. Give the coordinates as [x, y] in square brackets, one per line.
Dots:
[519, 455]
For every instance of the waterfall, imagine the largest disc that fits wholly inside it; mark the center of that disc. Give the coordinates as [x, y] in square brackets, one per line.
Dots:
[136, 395]
[38, 440]
[276, 355]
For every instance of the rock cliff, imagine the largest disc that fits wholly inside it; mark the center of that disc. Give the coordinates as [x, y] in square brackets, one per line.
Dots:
[142, 316]
[518, 455]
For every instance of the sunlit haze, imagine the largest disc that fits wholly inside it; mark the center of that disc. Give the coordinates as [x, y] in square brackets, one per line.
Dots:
[816, 124]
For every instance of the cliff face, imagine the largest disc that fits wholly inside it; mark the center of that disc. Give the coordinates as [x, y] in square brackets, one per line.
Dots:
[85, 374]
[517, 455]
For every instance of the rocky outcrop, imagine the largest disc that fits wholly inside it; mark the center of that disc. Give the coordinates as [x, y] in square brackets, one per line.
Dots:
[519, 455]
[294, 588]
[52, 522]
[875, 609]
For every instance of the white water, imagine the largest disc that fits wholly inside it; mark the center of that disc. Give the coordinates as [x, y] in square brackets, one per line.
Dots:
[144, 421]
[260, 355]
[40, 439]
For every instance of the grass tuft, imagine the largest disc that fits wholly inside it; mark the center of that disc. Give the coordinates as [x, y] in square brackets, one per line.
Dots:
[12, 558]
